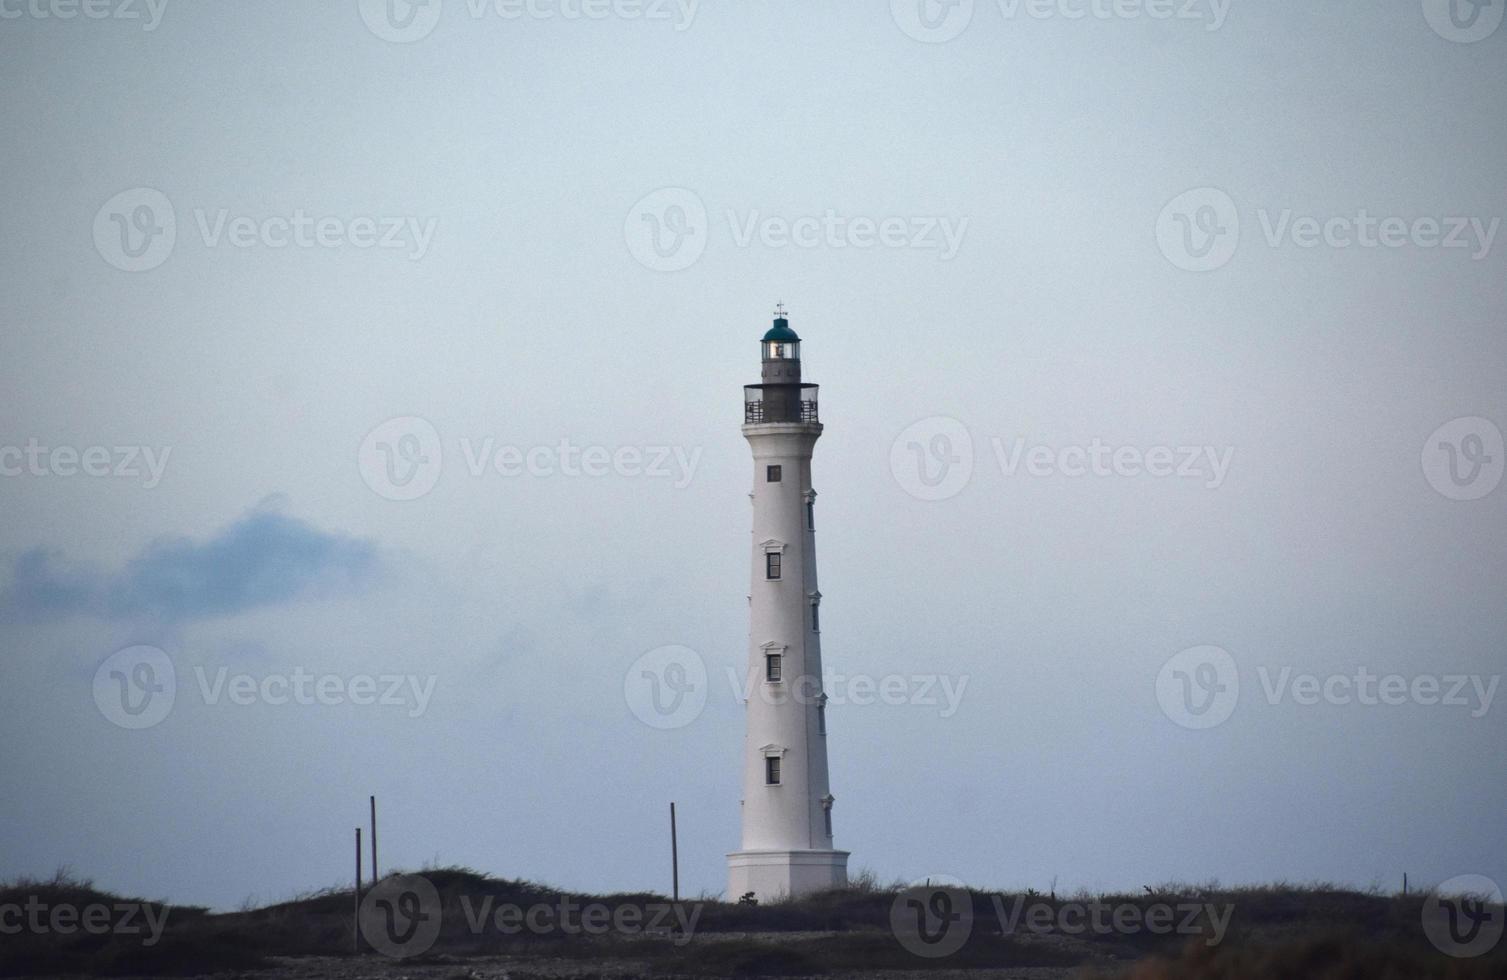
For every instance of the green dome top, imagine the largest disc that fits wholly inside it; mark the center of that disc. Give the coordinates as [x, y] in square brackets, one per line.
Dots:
[781, 332]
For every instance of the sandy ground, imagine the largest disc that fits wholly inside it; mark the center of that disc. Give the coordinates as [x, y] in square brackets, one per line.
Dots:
[515, 968]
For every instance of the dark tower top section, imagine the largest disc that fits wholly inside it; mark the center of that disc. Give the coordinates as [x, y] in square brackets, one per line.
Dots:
[781, 397]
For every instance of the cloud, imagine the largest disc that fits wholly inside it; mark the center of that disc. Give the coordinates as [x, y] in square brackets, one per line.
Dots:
[266, 558]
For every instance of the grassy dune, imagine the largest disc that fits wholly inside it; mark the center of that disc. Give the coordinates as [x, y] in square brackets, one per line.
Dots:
[1269, 932]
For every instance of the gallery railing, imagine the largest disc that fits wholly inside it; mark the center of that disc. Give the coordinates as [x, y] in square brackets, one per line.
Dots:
[780, 403]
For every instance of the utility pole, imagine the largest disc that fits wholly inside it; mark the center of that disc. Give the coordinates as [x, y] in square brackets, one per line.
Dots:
[356, 923]
[674, 856]
[375, 875]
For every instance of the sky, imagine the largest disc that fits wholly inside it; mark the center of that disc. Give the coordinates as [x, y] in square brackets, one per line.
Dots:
[371, 426]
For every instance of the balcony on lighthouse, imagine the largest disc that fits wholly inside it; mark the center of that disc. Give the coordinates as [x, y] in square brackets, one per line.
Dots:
[780, 403]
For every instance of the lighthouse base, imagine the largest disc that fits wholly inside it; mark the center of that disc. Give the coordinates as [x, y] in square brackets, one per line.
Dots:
[772, 875]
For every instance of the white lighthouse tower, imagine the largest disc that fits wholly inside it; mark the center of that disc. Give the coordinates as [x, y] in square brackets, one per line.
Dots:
[787, 805]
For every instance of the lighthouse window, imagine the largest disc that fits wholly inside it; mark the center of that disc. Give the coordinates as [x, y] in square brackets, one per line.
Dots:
[811, 515]
[827, 813]
[772, 770]
[821, 719]
[816, 621]
[772, 474]
[772, 667]
[772, 565]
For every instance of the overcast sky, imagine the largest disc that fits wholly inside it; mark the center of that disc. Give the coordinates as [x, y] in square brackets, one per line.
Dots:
[1136, 335]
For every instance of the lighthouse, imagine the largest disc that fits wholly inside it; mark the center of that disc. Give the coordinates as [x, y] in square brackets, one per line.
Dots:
[787, 803]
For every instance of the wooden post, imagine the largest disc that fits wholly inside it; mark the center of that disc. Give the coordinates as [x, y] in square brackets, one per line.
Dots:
[674, 856]
[356, 933]
[375, 875]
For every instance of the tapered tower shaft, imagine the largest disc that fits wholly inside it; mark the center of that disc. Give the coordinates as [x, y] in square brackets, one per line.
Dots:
[787, 839]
